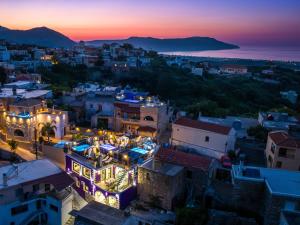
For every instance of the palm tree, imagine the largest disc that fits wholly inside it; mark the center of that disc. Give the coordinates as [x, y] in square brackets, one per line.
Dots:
[13, 146]
[47, 128]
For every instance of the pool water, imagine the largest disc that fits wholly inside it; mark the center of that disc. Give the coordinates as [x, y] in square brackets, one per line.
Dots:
[81, 148]
[139, 150]
[61, 144]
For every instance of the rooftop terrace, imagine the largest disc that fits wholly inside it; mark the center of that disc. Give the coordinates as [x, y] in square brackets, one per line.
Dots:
[278, 181]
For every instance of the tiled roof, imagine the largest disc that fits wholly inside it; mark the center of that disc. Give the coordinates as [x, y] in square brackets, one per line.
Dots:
[60, 180]
[27, 103]
[183, 159]
[216, 128]
[127, 109]
[234, 67]
[283, 139]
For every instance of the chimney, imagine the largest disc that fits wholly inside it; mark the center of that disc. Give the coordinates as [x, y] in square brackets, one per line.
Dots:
[5, 179]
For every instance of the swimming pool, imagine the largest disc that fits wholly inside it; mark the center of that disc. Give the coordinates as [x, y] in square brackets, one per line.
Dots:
[108, 147]
[81, 148]
[139, 150]
[61, 144]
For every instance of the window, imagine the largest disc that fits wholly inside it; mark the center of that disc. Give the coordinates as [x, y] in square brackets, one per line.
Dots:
[86, 172]
[54, 208]
[273, 148]
[35, 187]
[189, 174]
[47, 187]
[19, 133]
[91, 106]
[148, 118]
[76, 167]
[278, 164]
[282, 152]
[77, 182]
[206, 139]
[286, 153]
[85, 187]
[147, 176]
[19, 209]
[38, 204]
[19, 192]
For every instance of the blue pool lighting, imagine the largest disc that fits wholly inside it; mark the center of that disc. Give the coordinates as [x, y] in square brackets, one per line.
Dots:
[81, 148]
[108, 147]
[139, 150]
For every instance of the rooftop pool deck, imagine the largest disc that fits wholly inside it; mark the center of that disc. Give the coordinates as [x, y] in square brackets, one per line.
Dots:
[61, 144]
[81, 148]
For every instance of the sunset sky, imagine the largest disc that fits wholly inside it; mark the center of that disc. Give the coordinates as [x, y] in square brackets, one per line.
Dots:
[244, 22]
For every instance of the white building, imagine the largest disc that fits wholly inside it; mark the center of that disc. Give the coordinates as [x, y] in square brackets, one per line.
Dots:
[209, 139]
[4, 54]
[291, 96]
[35, 192]
[197, 71]
[233, 69]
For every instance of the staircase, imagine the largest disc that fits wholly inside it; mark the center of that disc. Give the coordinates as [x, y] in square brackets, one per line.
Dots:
[120, 178]
[75, 206]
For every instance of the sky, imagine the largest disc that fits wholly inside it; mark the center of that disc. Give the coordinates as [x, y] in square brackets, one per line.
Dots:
[243, 22]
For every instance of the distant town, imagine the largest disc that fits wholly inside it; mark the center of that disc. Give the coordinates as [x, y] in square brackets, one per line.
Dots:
[120, 135]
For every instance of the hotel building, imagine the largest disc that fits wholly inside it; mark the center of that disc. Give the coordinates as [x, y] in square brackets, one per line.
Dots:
[145, 116]
[21, 119]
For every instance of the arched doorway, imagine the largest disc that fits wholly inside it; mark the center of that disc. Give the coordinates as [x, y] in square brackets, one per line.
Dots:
[113, 201]
[18, 133]
[100, 197]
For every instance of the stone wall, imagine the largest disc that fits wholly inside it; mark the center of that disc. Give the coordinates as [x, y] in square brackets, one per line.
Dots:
[152, 183]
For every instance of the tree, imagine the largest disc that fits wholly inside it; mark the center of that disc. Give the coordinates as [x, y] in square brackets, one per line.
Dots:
[127, 46]
[47, 128]
[13, 145]
[258, 132]
[2, 75]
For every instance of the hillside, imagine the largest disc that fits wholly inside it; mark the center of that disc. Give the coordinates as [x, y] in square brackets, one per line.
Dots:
[41, 36]
[169, 45]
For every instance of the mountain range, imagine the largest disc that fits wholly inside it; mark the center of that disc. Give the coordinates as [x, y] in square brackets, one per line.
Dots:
[43, 36]
[171, 44]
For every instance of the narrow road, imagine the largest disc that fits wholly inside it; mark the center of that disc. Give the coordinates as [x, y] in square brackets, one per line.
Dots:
[23, 153]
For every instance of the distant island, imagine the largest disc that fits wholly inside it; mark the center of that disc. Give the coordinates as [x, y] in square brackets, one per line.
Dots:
[45, 37]
[171, 44]
[40, 36]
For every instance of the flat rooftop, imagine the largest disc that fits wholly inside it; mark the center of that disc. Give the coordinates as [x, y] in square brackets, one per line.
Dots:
[166, 168]
[278, 181]
[97, 213]
[28, 171]
[18, 83]
[8, 92]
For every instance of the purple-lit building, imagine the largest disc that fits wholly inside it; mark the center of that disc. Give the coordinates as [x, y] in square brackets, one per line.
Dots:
[111, 184]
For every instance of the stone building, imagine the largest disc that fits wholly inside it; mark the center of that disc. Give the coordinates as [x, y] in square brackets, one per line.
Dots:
[170, 175]
[148, 117]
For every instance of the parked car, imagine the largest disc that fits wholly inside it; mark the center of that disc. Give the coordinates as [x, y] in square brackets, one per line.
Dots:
[226, 161]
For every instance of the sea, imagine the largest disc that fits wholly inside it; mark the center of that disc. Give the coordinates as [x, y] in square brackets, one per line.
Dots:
[287, 54]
